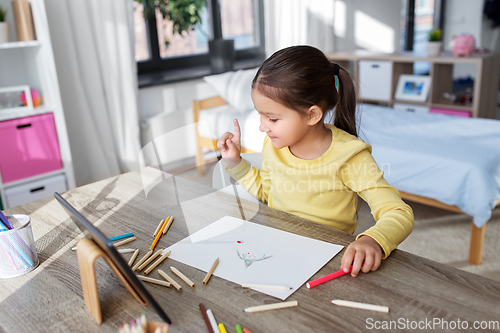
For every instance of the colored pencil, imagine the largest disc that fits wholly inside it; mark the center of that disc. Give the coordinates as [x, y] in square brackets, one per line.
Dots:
[126, 250]
[246, 330]
[326, 278]
[5, 221]
[239, 329]
[132, 259]
[203, 311]
[158, 234]
[265, 286]
[155, 281]
[169, 223]
[212, 321]
[147, 262]
[150, 252]
[112, 239]
[222, 329]
[273, 306]
[210, 272]
[157, 262]
[182, 276]
[158, 227]
[169, 279]
[125, 241]
[363, 306]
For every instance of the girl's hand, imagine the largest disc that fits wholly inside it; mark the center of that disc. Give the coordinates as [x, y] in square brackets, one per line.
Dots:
[230, 146]
[364, 254]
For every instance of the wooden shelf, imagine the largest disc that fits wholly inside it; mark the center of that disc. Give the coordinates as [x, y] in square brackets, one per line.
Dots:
[484, 91]
[19, 45]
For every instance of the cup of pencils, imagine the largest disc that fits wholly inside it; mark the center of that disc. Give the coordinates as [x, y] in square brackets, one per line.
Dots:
[17, 246]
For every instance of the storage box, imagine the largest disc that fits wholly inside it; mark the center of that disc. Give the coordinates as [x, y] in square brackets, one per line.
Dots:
[28, 147]
[452, 112]
[410, 107]
[39, 189]
[375, 79]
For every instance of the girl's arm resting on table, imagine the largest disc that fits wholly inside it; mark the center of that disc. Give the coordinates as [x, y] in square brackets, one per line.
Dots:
[394, 217]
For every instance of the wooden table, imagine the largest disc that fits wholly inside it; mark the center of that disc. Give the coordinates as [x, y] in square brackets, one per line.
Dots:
[49, 299]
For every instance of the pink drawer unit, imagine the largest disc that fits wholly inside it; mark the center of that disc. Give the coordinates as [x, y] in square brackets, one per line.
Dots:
[451, 112]
[28, 147]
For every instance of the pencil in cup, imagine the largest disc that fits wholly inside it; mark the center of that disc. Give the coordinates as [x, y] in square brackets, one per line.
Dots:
[18, 257]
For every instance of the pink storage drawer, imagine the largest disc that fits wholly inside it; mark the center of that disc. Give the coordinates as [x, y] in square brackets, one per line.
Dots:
[451, 112]
[28, 147]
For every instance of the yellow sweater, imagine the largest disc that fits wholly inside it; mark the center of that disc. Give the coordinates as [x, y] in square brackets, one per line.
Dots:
[324, 190]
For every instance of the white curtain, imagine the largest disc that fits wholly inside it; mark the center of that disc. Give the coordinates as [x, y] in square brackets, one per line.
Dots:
[299, 22]
[93, 49]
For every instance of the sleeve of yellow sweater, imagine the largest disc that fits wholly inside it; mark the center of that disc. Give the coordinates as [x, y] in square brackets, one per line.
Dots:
[256, 182]
[394, 217]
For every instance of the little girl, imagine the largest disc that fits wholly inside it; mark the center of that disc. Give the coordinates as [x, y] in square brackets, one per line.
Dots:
[313, 169]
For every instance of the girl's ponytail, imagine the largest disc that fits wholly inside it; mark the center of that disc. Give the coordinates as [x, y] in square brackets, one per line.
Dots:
[344, 115]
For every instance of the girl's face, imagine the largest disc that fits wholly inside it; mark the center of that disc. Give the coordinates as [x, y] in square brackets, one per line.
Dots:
[285, 127]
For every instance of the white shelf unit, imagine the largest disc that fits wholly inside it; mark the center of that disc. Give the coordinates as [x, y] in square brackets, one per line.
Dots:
[486, 79]
[32, 63]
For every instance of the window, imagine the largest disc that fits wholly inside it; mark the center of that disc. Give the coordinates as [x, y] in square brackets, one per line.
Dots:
[240, 20]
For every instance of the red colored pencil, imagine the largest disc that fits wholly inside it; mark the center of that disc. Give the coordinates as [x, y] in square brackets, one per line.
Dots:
[328, 277]
[205, 318]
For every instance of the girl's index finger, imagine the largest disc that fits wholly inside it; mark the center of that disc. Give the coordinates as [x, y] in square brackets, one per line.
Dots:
[237, 129]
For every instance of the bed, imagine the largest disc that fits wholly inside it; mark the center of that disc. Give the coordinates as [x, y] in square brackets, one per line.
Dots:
[439, 160]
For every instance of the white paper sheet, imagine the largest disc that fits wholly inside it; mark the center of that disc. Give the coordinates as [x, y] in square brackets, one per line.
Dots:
[252, 253]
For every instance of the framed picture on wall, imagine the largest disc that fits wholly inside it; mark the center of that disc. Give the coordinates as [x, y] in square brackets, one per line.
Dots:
[413, 88]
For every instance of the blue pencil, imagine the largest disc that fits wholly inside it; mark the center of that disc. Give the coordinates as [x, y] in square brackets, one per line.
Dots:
[5, 221]
[130, 234]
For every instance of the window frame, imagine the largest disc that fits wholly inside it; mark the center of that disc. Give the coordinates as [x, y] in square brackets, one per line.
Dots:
[159, 67]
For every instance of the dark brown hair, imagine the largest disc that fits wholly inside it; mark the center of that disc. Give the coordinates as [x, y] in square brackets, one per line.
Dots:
[299, 77]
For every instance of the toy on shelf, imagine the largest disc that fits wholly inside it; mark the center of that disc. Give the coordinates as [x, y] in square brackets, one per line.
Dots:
[463, 45]
[35, 96]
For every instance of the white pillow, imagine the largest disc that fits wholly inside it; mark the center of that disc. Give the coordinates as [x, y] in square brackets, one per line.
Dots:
[234, 87]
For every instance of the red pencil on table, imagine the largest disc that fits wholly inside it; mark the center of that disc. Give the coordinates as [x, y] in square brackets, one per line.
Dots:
[326, 278]
[205, 318]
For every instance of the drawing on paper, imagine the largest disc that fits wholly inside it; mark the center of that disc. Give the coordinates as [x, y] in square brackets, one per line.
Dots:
[249, 259]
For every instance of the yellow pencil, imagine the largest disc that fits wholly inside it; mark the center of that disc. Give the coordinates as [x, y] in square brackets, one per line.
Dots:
[212, 269]
[158, 234]
[169, 223]
[222, 329]
[157, 262]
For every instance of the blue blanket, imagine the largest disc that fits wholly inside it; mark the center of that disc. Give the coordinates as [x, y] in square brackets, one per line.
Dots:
[454, 160]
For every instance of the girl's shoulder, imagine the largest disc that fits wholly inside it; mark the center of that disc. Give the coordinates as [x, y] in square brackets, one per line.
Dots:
[344, 141]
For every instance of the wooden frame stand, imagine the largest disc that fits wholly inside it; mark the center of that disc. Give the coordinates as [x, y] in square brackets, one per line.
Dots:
[87, 252]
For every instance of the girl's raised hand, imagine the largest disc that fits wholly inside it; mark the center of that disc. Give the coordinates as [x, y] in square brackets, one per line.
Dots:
[364, 254]
[229, 144]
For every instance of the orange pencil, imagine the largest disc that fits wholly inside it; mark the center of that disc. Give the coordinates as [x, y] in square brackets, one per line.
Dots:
[158, 234]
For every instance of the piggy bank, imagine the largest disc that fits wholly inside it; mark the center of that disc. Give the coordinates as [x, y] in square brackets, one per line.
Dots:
[463, 45]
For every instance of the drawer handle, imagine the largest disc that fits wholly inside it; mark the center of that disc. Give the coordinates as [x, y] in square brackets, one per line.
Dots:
[37, 189]
[375, 66]
[23, 126]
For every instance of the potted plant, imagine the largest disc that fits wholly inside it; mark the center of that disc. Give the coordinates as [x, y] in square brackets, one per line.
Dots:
[185, 16]
[434, 45]
[4, 26]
